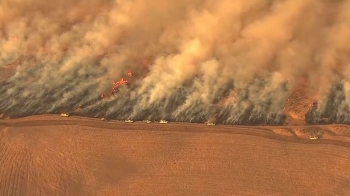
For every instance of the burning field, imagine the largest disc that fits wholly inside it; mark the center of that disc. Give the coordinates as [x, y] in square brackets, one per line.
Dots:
[238, 62]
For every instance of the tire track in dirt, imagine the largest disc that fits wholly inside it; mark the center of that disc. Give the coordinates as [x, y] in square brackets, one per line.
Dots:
[291, 132]
[11, 174]
[72, 159]
[4, 175]
[12, 180]
[264, 132]
[18, 167]
[49, 170]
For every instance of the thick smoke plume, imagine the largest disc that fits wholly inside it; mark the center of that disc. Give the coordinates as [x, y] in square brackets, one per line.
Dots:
[191, 60]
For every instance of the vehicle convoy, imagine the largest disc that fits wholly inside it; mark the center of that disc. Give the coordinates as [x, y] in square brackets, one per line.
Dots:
[64, 114]
[129, 121]
[314, 138]
[163, 122]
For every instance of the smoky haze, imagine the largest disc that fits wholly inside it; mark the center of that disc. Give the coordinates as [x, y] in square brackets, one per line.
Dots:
[234, 60]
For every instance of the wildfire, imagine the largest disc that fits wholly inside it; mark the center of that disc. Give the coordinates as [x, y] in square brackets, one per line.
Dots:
[117, 84]
[130, 74]
[313, 103]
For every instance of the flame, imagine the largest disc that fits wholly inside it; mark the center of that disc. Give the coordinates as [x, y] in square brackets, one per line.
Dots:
[130, 74]
[314, 102]
[116, 84]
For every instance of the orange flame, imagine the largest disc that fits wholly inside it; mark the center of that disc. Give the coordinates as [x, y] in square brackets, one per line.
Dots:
[130, 74]
[116, 84]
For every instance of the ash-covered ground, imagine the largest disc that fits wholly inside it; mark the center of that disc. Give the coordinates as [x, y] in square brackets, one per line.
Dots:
[235, 62]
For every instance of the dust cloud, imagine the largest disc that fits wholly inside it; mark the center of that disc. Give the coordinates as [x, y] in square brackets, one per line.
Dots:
[234, 60]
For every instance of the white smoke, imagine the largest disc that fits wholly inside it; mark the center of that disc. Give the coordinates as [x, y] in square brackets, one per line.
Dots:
[229, 58]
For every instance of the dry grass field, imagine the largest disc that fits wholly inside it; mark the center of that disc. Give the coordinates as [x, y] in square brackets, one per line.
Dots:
[50, 155]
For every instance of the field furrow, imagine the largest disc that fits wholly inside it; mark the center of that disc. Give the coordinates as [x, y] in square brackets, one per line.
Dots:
[90, 157]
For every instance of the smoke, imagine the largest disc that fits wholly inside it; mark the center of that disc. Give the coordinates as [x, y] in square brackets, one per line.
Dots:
[235, 60]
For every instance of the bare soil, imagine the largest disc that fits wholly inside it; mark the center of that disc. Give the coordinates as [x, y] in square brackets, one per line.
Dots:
[52, 155]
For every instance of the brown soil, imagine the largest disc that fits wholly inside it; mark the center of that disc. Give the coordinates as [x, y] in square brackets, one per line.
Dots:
[52, 155]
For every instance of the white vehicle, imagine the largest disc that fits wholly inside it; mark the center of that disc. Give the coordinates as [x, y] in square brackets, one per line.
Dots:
[64, 114]
[314, 138]
[103, 119]
[211, 124]
[163, 122]
[148, 121]
[129, 121]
